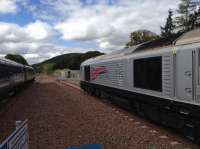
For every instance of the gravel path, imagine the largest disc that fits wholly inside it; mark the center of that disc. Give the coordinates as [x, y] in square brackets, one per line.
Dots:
[61, 116]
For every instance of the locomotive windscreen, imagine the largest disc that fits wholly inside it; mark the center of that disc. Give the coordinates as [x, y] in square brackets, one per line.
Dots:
[148, 73]
[87, 73]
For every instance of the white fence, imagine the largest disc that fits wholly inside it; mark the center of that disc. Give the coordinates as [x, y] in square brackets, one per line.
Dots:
[19, 139]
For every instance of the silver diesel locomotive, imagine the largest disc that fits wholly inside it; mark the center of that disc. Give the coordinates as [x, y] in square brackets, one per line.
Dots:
[159, 79]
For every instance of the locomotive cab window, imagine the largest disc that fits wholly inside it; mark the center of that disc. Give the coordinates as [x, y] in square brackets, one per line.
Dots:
[87, 73]
[148, 73]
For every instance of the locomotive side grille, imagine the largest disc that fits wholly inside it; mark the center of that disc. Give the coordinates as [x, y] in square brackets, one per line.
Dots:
[166, 75]
[115, 76]
[120, 74]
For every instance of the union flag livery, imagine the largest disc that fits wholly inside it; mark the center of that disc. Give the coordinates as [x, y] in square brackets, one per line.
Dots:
[97, 71]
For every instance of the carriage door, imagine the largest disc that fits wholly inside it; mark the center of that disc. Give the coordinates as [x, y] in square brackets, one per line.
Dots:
[184, 75]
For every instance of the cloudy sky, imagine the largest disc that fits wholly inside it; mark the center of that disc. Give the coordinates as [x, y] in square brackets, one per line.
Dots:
[40, 29]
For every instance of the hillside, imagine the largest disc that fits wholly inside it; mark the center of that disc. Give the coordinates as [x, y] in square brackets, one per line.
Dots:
[71, 61]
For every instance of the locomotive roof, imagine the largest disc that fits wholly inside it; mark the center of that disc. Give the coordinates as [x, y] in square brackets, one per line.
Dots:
[162, 42]
[174, 40]
[189, 37]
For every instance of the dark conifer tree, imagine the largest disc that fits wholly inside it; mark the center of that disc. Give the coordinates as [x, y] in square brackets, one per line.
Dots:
[169, 27]
[188, 18]
[184, 14]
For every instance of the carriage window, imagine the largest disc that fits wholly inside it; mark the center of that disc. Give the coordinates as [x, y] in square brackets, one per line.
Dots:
[87, 73]
[3, 72]
[148, 73]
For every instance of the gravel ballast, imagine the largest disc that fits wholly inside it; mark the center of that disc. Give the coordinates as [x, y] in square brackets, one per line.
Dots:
[60, 116]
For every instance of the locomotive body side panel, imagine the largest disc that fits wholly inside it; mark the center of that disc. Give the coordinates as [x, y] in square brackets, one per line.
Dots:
[198, 76]
[160, 66]
[112, 73]
[118, 73]
[185, 75]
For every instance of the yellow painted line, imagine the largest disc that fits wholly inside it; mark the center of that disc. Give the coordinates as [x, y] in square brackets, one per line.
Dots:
[174, 50]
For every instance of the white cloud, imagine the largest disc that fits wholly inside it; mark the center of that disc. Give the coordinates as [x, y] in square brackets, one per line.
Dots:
[110, 25]
[11, 33]
[34, 41]
[38, 30]
[93, 25]
[29, 40]
[34, 52]
[29, 56]
[8, 6]
[85, 29]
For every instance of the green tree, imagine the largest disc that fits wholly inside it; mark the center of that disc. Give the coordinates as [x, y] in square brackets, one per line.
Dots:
[17, 58]
[183, 18]
[48, 68]
[169, 27]
[194, 21]
[188, 15]
[141, 36]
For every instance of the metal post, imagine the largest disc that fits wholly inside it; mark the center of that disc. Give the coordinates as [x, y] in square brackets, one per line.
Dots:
[17, 124]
